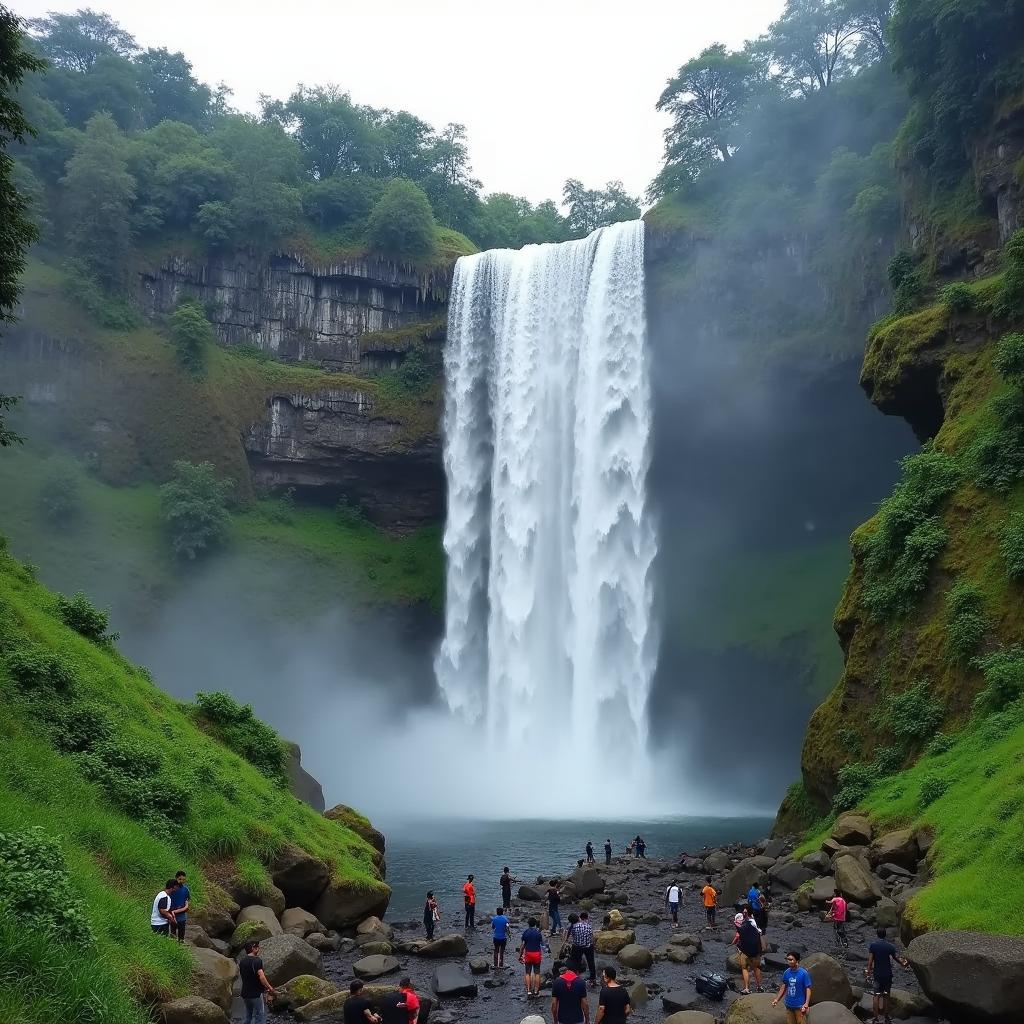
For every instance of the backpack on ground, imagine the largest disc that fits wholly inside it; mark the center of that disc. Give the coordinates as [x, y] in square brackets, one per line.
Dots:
[711, 985]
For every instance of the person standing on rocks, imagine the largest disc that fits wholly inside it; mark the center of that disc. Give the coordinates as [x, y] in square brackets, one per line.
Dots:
[569, 998]
[881, 954]
[837, 915]
[672, 894]
[613, 1003]
[554, 914]
[180, 906]
[255, 986]
[581, 939]
[709, 894]
[756, 899]
[431, 915]
[410, 1002]
[590, 852]
[748, 940]
[161, 917]
[358, 1009]
[499, 925]
[469, 897]
[641, 847]
[795, 990]
[505, 882]
[608, 851]
[531, 952]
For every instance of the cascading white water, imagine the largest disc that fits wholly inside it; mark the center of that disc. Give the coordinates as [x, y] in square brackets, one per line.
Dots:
[549, 634]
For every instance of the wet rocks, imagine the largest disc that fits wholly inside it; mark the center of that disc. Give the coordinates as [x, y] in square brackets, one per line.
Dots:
[479, 965]
[680, 1000]
[302, 989]
[213, 976]
[296, 921]
[531, 893]
[192, 1010]
[376, 965]
[444, 945]
[635, 956]
[610, 942]
[450, 982]
[791, 875]
[855, 881]
[287, 956]
[830, 982]
[587, 882]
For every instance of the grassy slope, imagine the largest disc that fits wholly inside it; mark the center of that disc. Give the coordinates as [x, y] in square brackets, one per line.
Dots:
[116, 863]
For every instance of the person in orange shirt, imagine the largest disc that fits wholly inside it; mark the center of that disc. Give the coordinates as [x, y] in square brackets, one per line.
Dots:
[469, 894]
[710, 904]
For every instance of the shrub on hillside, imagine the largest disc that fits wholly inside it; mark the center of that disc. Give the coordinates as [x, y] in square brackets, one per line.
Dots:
[401, 224]
[933, 785]
[996, 455]
[965, 625]
[60, 498]
[194, 507]
[36, 890]
[939, 744]
[1003, 671]
[106, 310]
[79, 725]
[1011, 545]
[1010, 300]
[244, 733]
[910, 716]
[191, 333]
[81, 615]
[35, 668]
[958, 297]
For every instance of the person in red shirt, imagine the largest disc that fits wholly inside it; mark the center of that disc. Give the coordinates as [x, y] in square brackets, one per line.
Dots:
[469, 894]
[837, 913]
[410, 1001]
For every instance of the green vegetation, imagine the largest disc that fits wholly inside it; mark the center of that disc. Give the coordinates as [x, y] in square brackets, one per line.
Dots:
[237, 727]
[81, 615]
[966, 625]
[192, 334]
[194, 507]
[107, 785]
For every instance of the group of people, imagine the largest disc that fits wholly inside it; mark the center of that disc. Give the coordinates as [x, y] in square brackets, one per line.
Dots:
[169, 914]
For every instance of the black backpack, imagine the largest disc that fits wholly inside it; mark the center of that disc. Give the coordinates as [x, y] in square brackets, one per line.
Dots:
[711, 985]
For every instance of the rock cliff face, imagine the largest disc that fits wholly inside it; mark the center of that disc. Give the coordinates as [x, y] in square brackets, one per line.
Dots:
[295, 310]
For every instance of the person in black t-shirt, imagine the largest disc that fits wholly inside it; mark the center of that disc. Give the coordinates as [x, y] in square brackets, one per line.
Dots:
[569, 998]
[390, 1011]
[613, 1003]
[358, 1009]
[554, 914]
[254, 984]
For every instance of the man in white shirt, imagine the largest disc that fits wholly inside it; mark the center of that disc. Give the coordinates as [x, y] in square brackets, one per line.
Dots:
[162, 917]
[672, 901]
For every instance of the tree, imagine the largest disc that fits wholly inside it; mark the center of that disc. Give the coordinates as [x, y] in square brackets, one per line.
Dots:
[265, 215]
[16, 229]
[401, 224]
[98, 197]
[341, 199]
[871, 19]
[191, 333]
[77, 41]
[590, 209]
[194, 507]
[171, 90]
[404, 141]
[706, 98]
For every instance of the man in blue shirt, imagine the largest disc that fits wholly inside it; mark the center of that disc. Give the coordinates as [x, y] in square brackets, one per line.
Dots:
[499, 923]
[180, 906]
[795, 990]
[531, 952]
[881, 954]
[758, 907]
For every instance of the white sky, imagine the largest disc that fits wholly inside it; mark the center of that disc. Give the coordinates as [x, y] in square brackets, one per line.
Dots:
[547, 89]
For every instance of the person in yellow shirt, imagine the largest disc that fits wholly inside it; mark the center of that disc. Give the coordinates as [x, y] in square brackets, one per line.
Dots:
[710, 896]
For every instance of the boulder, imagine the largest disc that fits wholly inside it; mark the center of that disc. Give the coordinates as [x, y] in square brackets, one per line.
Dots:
[296, 921]
[638, 994]
[817, 862]
[823, 889]
[902, 1005]
[192, 1010]
[852, 830]
[444, 945]
[587, 881]
[344, 903]
[925, 838]
[755, 1009]
[302, 990]
[615, 921]
[739, 881]
[261, 914]
[855, 881]
[774, 848]
[717, 861]
[791, 875]
[971, 976]
[300, 876]
[375, 966]
[213, 977]
[680, 1000]
[216, 920]
[893, 872]
[324, 943]
[636, 956]
[479, 965]
[899, 847]
[374, 926]
[195, 936]
[831, 1013]
[287, 956]
[680, 954]
[690, 1017]
[450, 981]
[610, 942]
[691, 865]
[685, 939]
[266, 895]
[531, 893]
[378, 947]
[352, 819]
[830, 983]
[330, 1008]
[763, 861]
[887, 914]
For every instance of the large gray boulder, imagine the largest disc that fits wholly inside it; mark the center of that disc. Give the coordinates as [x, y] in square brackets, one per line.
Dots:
[215, 919]
[831, 1013]
[887, 914]
[899, 847]
[213, 976]
[970, 976]
[344, 903]
[375, 966]
[739, 881]
[262, 914]
[450, 981]
[442, 946]
[300, 876]
[823, 889]
[302, 990]
[774, 848]
[790, 875]
[855, 881]
[755, 1009]
[531, 893]
[817, 862]
[296, 921]
[192, 1010]
[587, 881]
[852, 830]
[287, 956]
[681, 1000]
[718, 860]
[830, 983]
[635, 956]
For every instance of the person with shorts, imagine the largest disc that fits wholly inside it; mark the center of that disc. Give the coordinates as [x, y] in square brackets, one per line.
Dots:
[469, 898]
[180, 906]
[795, 990]
[554, 914]
[531, 952]
[837, 915]
[613, 1005]
[499, 924]
[672, 894]
[161, 917]
[881, 954]
[748, 939]
[710, 897]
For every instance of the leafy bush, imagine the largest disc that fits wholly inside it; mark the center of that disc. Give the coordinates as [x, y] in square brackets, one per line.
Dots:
[244, 733]
[966, 624]
[958, 297]
[107, 311]
[997, 453]
[1009, 302]
[194, 506]
[1011, 545]
[36, 890]
[900, 267]
[910, 716]
[909, 295]
[80, 725]
[191, 333]
[854, 781]
[81, 615]
[401, 223]
[933, 785]
[35, 668]
[1003, 671]
[60, 497]
[939, 744]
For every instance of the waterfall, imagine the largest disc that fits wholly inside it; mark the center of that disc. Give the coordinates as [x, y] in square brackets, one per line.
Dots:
[548, 634]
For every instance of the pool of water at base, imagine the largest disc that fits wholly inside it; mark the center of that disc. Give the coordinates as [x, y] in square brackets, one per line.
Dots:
[438, 854]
